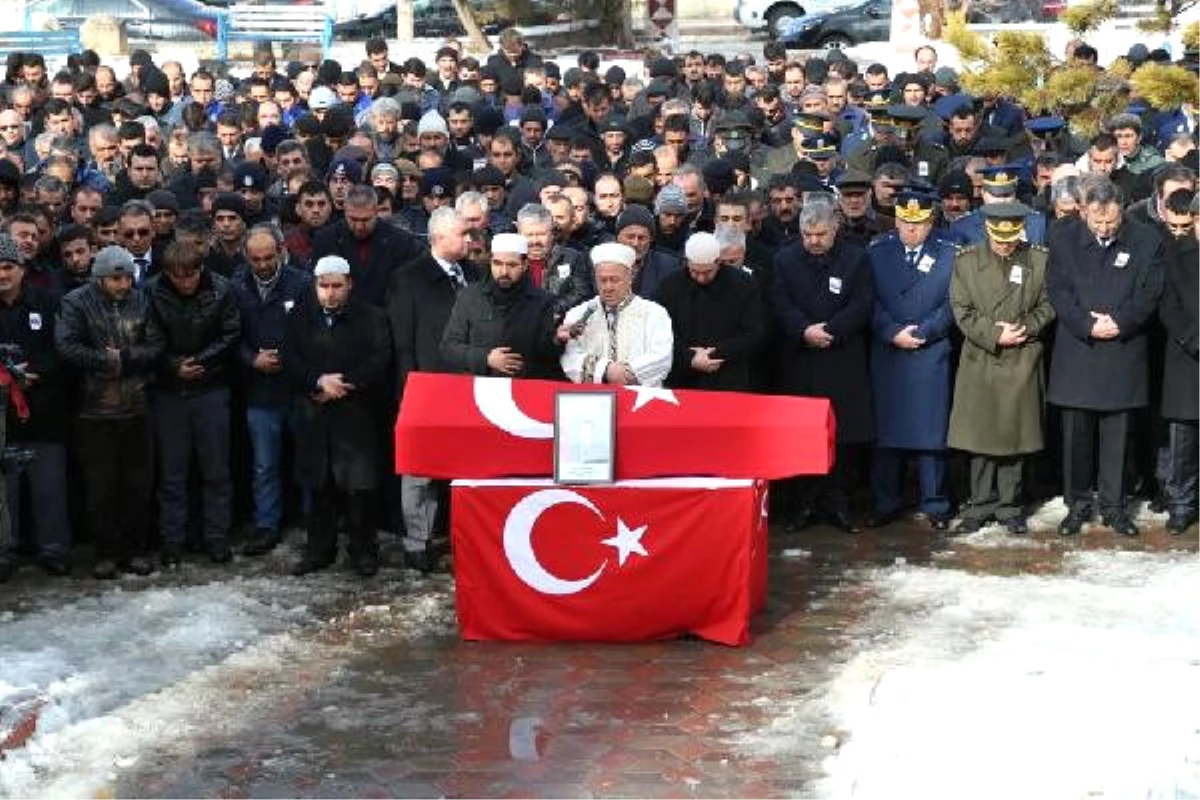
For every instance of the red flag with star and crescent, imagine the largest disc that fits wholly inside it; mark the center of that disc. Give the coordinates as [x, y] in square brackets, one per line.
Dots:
[634, 561]
[460, 426]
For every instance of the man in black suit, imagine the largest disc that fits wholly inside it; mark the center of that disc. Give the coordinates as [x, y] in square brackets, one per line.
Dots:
[1104, 280]
[374, 250]
[419, 300]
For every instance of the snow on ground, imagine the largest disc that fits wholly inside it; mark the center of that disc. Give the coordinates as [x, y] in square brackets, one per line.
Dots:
[114, 678]
[1078, 685]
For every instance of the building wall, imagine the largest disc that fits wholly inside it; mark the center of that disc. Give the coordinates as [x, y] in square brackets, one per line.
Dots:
[718, 10]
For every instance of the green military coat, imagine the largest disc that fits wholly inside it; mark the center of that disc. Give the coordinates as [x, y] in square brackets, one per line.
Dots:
[999, 391]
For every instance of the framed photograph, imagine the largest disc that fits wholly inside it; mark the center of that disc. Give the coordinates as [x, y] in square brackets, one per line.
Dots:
[585, 437]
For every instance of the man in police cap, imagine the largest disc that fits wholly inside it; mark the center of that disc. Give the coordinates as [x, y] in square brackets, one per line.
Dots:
[336, 355]
[999, 186]
[998, 295]
[910, 358]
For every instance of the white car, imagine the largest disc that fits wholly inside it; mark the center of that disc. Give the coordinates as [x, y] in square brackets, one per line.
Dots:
[769, 14]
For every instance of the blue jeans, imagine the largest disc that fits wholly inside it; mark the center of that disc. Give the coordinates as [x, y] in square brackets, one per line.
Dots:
[47, 478]
[267, 425]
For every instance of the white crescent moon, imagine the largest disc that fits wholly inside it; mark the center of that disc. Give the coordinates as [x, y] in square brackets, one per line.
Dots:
[494, 399]
[518, 543]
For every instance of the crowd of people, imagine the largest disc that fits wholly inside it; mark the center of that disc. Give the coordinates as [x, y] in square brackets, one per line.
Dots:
[213, 290]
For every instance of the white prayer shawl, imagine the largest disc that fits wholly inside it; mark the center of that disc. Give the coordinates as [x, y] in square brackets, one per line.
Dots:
[644, 342]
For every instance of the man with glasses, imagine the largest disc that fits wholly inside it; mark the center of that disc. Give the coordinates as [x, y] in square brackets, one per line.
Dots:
[13, 128]
[195, 320]
[135, 232]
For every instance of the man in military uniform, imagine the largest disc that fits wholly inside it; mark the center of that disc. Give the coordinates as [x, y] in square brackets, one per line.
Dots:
[928, 160]
[780, 160]
[998, 296]
[910, 359]
[860, 223]
[999, 186]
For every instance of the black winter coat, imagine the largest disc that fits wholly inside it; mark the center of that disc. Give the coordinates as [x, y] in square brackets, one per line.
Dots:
[387, 249]
[264, 327]
[568, 278]
[204, 326]
[27, 331]
[482, 319]
[836, 289]
[341, 437]
[726, 314]
[1124, 281]
[419, 302]
[1178, 311]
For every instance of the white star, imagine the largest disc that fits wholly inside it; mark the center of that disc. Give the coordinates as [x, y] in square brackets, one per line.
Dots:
[627, 541]
[647, 394]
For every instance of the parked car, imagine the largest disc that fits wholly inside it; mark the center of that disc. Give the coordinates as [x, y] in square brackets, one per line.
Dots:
[144, 19]
[772, 15]
[431, 19]
[845, 26]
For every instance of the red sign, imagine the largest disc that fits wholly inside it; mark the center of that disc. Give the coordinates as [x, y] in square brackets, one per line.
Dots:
[459, 426]
[633, 561]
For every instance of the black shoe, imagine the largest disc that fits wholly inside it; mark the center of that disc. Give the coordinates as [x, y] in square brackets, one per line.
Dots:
[265, 540]
[1178, 523]
[1016, 525]
[940, 522]
[1158, 505]
[7, 570]
[420, 560]
[883, 520]
[366, 564]
[170, 558]
[310, 564]
[1074, 522]
[55, 566]
[971, 525]
[105, 570]
[793, 522]
[139, 565]
[220, 553]
[843, 520]
[1119, 523]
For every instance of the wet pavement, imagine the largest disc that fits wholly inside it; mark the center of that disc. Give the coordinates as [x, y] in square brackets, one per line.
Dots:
[385, 701]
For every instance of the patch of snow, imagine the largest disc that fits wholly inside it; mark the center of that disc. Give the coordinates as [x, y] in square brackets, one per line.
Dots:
[113, 678]
[1077, 685]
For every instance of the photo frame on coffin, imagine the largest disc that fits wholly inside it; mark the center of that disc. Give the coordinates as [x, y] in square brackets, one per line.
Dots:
[585, 437]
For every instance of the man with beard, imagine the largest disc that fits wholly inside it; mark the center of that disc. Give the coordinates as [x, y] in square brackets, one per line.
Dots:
[625, 340]
[716, 318]
[671, 210]
[822, 295]
[504, 325]
[335, 356]
[313, 206]
[635, 228]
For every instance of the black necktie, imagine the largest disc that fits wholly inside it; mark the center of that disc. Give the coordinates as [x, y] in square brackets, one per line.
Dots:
[456, 275]
[912, 258]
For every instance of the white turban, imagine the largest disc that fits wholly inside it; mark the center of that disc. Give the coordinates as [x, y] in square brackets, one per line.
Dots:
[702, 248]
[331, 265]
[614, 253]
[510, 243]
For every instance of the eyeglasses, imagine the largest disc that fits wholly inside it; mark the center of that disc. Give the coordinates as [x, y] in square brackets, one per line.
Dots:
[137, 233]
[10, 127]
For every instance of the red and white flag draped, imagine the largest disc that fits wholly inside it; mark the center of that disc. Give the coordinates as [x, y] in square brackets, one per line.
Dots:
[631, 561]
[459, 426]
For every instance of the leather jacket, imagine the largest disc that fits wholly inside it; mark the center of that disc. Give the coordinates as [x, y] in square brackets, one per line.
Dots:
[204, 326]
[89, 323]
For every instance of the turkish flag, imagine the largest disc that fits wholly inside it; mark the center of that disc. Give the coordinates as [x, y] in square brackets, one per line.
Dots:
[630, 561]
[460, 426]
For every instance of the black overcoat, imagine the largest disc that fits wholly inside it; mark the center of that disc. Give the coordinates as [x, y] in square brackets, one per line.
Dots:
[836, 289]
[1181, 289]
[1123, 280]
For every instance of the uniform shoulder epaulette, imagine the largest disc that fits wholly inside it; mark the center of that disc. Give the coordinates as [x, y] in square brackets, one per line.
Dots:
[959, 249]
[880, 238]
[1041, 248]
